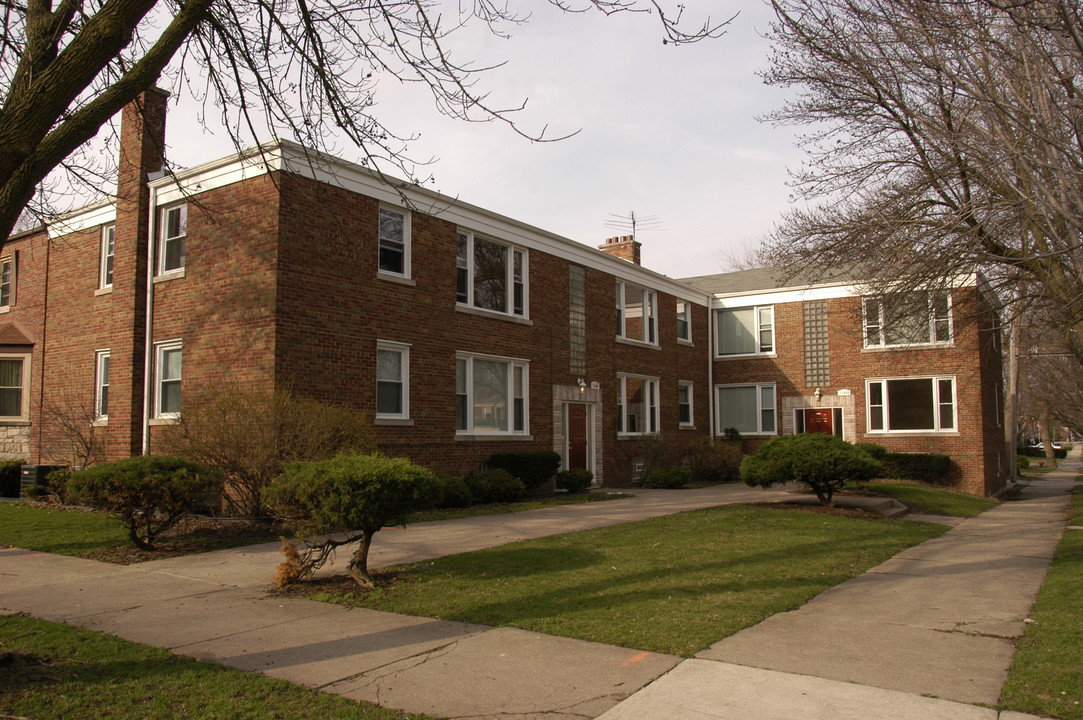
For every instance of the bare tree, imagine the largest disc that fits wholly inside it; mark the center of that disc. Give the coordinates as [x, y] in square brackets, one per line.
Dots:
[304, 69]
[945, 137]
[70, 432]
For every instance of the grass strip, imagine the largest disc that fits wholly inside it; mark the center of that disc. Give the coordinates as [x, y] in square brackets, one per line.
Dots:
[673, 584]
[933, 501]
[59, 531]
[1044, 678]
[58, 672]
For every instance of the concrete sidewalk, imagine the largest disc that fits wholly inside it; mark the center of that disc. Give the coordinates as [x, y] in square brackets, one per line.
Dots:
[937, 619]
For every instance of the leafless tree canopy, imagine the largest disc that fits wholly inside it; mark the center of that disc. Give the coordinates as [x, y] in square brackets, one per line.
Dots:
[302, 69]
[944, 137]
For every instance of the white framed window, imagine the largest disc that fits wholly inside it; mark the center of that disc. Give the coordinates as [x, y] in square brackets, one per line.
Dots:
[749, 409]
[490, 275]
[172, 233]
[14, 387]
[7, 281]
[911, 404]
[394, 254]
[745, 331]
[491, 395]
[685, 416]
[637, 405]
[915, 318]
[167, 380]
[105, 261]
[101, 385]
[392, 380]
[636, 313]
[684, 321]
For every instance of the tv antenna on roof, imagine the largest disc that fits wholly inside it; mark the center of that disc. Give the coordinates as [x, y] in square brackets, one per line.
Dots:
[632, 222]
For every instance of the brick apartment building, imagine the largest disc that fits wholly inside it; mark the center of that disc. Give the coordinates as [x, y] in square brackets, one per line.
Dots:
[462, 332]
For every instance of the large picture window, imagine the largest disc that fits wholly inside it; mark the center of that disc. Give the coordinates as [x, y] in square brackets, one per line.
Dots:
[490, 275]
[923, 404]
[746, 331]
[916, 318]
[172, 233]
[637, 410]
[14, 393]
[394, 241]
[749, 409]
[392, 380]
[636, 313]
[491, 395]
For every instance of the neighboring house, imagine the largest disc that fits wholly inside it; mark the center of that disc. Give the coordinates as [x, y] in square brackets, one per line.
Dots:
[915, 374]
[460, 331]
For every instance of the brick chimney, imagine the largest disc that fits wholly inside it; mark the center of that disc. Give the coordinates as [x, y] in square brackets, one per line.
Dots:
[142, 151]
[624, 247]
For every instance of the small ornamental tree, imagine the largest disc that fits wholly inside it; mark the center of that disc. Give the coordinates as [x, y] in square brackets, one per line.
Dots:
[148, 494]
[823, 462]
[356, 494]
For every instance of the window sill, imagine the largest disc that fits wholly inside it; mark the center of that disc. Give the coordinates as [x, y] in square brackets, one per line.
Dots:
[399, 279]
[103, 291]
[4, 309]
[170, 275]
[686, 427]
[493, 314]
[14, 422]
[100, 422]
[635, 436]
[747, 356]
[402, 422]
[164, 421]
[637, 343]
[495, 437]
[913, 346]
[913, 433]
[682, 341]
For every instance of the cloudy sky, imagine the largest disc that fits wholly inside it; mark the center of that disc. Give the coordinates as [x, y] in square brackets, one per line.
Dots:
[669, 133]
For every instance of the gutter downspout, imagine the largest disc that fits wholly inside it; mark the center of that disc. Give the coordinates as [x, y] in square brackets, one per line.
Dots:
[710, 369]
[148, 343]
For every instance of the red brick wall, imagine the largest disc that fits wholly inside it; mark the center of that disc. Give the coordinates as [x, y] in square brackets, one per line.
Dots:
[972, 448]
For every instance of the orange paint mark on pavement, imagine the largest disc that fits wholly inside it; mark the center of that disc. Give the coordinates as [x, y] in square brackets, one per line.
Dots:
[636, 658]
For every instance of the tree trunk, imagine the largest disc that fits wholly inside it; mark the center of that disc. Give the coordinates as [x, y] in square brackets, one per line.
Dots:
[358, 567]
[1047, 441]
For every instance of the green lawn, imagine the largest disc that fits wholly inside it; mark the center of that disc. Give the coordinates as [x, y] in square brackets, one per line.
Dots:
[933, 501]
[58, 672]
[1046, 676]
[674, 584]
[53, 530]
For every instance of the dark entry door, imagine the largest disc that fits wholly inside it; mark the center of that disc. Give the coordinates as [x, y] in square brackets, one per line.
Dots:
[578, 440]
[820, 420]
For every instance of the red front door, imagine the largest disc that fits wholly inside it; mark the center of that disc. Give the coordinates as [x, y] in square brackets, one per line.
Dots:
[577, 437]
[820, 420]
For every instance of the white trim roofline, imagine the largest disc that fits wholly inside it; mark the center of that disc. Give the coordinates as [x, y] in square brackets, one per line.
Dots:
[287, 156]
[801, 293]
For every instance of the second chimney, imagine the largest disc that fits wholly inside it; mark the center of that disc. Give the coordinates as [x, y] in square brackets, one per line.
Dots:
[625, 247]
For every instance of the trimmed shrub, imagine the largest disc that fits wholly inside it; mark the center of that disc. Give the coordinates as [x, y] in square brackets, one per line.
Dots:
[825, 463]
[10, 478]
[148, 494]
[676, 476]
[922, 467]
[357, 493]
[1022, 462]
[494, 486]
[574, 480]
[715, 461]
[455, 492]
[533, 467]
[876, 452]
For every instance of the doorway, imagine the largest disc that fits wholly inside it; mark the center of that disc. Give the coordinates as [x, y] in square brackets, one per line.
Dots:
[578, 454]
[825, 421]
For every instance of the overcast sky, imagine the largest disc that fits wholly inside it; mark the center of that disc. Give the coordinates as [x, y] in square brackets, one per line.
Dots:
[670, 133]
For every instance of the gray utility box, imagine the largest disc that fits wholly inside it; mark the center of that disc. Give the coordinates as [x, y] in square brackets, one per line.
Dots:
[32, 475]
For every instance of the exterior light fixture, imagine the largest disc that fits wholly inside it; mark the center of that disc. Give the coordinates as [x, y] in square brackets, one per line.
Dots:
[818, 394]
[582, 385]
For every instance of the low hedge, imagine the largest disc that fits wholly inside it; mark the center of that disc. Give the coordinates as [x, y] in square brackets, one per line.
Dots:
[10, 478]
[922, 467]
[533, 467]
[677, 476]
[1035, 452]
[494, 486]
[574, 481]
